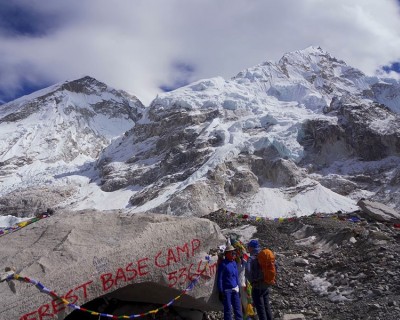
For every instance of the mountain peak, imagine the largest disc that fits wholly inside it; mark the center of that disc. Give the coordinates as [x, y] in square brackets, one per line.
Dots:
[311, 77]
[309, 55]
[313, 50]
[68, 122]
[85, 84]
[309, 51]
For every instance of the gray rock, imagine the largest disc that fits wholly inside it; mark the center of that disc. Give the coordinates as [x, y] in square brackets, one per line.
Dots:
[85, 255]
[301, 262]
[297, 316]
[378, 211]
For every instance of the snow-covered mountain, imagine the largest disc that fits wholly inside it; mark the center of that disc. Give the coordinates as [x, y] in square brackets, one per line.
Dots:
[48, 135]
[305, 134]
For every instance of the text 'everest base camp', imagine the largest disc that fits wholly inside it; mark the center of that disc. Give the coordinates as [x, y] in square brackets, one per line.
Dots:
[113, 209]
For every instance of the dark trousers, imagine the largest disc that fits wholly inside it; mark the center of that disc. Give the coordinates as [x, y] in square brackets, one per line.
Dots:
[232, 300]
[261, 302]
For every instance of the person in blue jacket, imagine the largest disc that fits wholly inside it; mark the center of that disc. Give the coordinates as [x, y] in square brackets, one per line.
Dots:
[228, 285]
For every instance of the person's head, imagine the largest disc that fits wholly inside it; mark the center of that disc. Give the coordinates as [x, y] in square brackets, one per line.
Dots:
[230, 253]
[253, 245]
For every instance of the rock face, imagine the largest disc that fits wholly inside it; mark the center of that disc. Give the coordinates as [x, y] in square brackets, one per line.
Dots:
[378, 211]
[86, 255]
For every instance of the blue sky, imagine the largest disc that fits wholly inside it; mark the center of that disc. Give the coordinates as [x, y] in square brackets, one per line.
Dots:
[183, 74]
[395, 66]
[149, 46]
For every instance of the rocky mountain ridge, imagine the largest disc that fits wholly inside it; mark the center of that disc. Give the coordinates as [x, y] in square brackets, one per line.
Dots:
[306, 134]
[292, 126]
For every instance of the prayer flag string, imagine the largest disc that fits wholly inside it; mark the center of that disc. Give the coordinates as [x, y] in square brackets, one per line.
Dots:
[346, 217]
[22, 224]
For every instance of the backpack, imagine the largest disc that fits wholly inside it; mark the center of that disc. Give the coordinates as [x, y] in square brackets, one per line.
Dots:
[266, 260]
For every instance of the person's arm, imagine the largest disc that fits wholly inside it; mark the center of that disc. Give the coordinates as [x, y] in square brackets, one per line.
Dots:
[237, 275]
[248, 274]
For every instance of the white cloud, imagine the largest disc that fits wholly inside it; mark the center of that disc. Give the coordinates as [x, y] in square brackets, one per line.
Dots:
[133, 45]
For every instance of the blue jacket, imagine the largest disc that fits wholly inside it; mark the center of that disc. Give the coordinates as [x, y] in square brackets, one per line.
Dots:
[227, 275]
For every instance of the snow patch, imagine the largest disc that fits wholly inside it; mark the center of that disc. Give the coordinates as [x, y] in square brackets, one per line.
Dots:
[321, 285]
[9, 221]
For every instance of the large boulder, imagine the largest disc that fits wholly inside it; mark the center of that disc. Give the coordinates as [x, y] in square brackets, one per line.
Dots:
[86, 255]
[378, 211]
